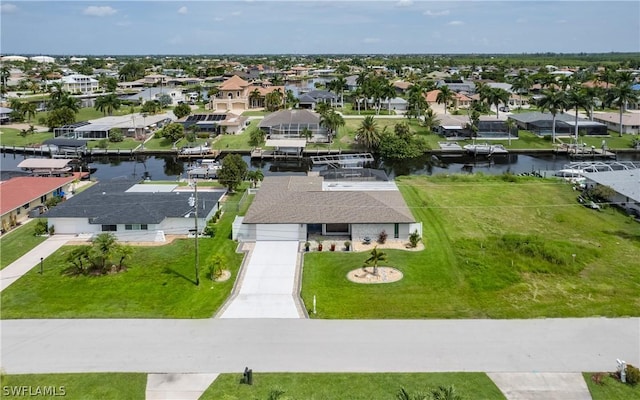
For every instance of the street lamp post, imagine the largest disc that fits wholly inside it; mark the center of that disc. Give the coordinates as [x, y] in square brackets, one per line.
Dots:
[193, 201]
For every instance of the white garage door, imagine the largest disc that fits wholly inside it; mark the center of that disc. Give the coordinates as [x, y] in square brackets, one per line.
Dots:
[278, 232]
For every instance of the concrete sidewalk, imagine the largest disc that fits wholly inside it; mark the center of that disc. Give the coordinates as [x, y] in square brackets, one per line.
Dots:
[24, 264]
[177, 386]
[541, 386]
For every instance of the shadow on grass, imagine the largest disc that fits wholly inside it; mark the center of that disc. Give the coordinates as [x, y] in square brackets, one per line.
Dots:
[178, 274]
[624, 235]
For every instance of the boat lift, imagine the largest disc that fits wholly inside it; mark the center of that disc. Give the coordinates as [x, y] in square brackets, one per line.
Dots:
[600, 166]
[343, 160]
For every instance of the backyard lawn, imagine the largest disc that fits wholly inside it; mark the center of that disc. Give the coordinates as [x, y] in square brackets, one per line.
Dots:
[494, 249]
[159, 282]
[350, 385]
[17, 243]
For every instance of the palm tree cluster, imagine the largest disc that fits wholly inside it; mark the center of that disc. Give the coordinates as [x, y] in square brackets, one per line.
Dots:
[108, 103]
[374, 88]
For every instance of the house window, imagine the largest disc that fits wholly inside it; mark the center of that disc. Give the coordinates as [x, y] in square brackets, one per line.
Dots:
[43, 198]
[109, 228]
[26, 206]
[135, 227]
[396, 231]
[336, 229]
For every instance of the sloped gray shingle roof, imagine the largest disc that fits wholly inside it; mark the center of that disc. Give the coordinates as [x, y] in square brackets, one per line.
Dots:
[300, 199]
[108, 203]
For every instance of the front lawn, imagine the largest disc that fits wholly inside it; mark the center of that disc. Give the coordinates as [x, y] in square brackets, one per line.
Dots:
[494, 249]
[611, 389]
[351, 386]
[18, 242]
[159, 283]
[125, 386]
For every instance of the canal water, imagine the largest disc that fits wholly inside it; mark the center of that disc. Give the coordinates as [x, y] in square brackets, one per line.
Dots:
[172, 168]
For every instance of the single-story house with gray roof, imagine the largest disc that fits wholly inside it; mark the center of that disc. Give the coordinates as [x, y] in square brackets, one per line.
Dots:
[541, 124]
[625, 183]
[134, 212]
[312, 98]
[295, 207]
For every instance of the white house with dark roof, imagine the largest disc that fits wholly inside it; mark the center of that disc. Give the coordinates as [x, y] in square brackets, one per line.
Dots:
[134, 212]
[295, 207]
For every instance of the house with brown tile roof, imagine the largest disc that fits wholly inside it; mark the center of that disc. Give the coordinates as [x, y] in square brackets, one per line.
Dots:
[237, 95]
[295, 207]
[21, 195]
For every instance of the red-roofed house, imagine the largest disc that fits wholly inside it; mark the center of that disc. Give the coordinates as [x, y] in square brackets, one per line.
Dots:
[20, 195]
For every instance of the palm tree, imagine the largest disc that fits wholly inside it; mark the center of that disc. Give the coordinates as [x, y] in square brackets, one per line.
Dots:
[29, 110]
[389, 92]
[306, 133]
[332, 121]
[521, 83]
[445, 393]
[107, 104]
[430, 120]
[497, 96]
[369, 133]
[510, 125]
[620, 96]
[103, 247]
[253, 98]
[554, 101]
[273, 100]
[338, 86]
[376, 257]
[445, 95]
[56, 92]
[5, 72]
[576, 99]
[404, 395]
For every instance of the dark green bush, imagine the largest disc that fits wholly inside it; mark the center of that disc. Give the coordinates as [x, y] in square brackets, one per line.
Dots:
[633, 375]
[41, 227]
[210, 230]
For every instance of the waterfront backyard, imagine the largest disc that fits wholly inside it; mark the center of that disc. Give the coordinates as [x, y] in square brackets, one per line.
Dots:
[496, 247]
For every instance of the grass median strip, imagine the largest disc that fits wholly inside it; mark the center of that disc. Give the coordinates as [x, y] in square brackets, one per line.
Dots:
[352, 386]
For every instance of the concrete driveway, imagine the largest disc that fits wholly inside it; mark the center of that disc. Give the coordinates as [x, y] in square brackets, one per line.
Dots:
[24, 264]
[267, 283]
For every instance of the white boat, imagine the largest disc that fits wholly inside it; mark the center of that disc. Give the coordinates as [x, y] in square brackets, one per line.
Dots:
[205, 169]
[450, 146]
[196, 150]
[485, 149]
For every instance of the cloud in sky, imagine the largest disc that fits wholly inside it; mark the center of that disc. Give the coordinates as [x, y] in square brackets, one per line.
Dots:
[99, 11]
[327, 26]
[8, 8]
[440, 13]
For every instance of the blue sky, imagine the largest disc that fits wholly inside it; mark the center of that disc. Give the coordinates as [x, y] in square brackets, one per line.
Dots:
[312, 27]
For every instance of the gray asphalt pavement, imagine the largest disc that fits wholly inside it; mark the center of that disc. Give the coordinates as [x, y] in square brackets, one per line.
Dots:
[269, 345]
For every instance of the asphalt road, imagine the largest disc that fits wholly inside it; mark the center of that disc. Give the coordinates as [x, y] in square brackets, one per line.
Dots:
[268, 345]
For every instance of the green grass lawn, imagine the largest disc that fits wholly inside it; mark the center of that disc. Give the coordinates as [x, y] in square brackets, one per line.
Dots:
[236, 142]
[124, 386]
[12, 137]
[351, 386]
[159, 283]
[611, 389]
[494, 249]
[17, 243]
